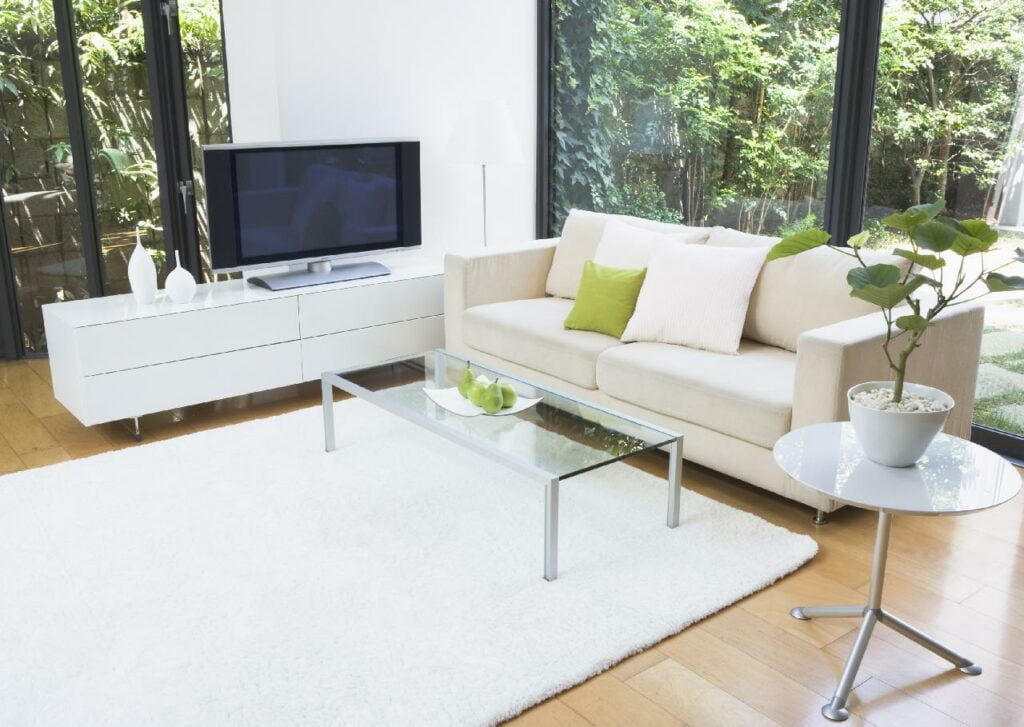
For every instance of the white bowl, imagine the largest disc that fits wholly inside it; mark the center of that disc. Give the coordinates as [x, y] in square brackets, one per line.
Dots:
[896, 438]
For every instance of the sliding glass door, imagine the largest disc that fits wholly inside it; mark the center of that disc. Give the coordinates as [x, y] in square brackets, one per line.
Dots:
[119, 134]
[44, 250]
[103, 107]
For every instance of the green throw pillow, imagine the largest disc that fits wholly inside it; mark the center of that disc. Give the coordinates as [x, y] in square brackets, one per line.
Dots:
[606, 299]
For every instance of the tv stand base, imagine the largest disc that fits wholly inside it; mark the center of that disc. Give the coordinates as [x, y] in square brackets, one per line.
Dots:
[318, 274]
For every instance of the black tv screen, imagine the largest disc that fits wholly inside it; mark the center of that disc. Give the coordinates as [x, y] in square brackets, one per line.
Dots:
[272, 204]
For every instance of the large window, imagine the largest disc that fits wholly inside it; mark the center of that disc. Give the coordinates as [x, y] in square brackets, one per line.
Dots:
[947, 125]
[703, 111]
[723, 112]
[103, 107]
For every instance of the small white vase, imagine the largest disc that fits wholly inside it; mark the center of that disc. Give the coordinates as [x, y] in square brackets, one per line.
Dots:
[897, 438]
[180, 285]
[142, 275]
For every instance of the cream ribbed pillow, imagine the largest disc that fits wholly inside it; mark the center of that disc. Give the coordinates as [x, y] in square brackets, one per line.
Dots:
[696, 296]
[624, 245]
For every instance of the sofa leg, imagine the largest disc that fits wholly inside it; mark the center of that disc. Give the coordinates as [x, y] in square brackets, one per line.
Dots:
[820, 517]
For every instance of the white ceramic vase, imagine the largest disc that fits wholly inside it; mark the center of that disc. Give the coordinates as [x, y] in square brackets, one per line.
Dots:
[896, 438]
[142, 274]
[180, 285]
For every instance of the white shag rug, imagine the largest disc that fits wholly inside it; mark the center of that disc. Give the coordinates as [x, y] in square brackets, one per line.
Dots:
[242, 576]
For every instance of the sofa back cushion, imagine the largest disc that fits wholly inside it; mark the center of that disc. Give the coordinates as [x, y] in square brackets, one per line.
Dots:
[806, 291]
[581, 235]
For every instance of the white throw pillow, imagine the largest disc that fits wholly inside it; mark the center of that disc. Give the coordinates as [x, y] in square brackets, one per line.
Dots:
[624, 245]
[580, 237]
[728, 237]
[696, 296]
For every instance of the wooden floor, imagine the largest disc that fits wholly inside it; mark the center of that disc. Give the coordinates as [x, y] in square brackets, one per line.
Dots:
[962, 579]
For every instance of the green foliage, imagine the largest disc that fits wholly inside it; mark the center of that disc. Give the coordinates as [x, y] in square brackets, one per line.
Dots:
[720, 111]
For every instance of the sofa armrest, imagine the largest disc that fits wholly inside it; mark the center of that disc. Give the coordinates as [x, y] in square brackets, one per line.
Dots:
[492, 276]
[831, 359]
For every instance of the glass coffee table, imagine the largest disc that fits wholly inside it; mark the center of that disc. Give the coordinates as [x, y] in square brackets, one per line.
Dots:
[568, 437]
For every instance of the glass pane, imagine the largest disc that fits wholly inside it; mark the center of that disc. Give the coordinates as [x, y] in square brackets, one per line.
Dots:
[559, 434]
[119, 124]
[206, 92]
[712, 112]
[948, 124]
[40, 210]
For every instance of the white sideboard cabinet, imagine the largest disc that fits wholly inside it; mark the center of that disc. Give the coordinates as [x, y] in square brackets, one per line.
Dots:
[111, 359]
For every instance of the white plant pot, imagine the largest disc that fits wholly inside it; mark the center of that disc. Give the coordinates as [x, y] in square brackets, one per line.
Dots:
[180, 285]
[895, 438]
[142, 275]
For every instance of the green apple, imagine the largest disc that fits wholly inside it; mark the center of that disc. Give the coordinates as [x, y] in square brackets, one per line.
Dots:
[509, 397]
[492, 399]
[466, 381]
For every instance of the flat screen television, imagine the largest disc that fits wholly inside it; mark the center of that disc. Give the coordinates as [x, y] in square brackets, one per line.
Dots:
[311, 202]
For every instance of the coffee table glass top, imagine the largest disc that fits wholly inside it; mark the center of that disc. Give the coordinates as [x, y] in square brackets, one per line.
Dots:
[560, 436]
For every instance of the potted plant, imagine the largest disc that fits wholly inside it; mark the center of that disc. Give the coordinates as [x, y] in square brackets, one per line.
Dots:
[895, 421]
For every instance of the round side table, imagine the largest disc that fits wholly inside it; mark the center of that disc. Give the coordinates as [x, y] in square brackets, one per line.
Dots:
[953, 478]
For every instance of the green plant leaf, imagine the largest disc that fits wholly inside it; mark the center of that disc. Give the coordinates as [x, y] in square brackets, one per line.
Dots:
[935, 236]
[889, 296]
[879, 275]
[966, 245]
[912, 323]
[980, 230]
[908, 220]
[859, 240]
[932, 262]
[999, 283]
[797, 243]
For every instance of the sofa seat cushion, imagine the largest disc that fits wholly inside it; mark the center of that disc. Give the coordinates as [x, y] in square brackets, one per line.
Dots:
[532, 333]
[748, 396]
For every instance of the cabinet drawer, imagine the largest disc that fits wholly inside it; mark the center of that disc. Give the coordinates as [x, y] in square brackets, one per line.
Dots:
[371, 305]
[370, 345]
[125, 394]
[178, 336]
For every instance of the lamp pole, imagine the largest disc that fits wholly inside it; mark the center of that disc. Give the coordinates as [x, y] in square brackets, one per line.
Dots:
[483, 173]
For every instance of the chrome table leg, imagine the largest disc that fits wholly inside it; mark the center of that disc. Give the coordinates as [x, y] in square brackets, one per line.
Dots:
[873, 613]
[327, 390]
[902, 627]
[675, 481]
[551, 530]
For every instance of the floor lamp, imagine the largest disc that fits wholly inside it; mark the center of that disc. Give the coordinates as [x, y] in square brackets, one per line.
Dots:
[485, 135]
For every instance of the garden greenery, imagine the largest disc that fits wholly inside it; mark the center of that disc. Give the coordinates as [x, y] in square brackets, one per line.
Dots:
[720, 111]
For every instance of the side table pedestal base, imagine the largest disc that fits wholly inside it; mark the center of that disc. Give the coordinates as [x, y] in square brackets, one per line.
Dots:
[873, 613]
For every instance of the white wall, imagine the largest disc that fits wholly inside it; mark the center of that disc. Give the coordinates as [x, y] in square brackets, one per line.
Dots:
[341, 69]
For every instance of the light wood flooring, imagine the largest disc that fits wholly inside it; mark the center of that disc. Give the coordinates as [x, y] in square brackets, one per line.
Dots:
[961, 579]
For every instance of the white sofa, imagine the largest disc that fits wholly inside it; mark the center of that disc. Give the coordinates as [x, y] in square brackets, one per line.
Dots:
[805, 343]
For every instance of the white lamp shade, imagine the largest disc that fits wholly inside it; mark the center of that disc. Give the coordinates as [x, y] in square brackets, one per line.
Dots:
[485, 135]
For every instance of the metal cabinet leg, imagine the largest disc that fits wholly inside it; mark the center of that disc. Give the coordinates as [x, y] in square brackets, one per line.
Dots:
[820, 517]
[551, 531]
